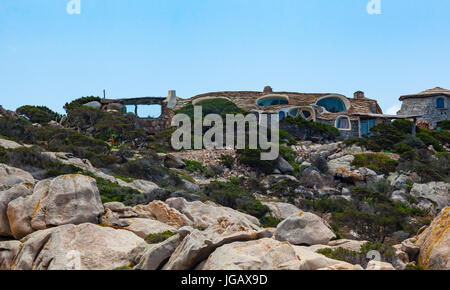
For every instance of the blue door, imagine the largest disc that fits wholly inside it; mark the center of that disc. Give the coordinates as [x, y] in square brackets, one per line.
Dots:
[366, 125]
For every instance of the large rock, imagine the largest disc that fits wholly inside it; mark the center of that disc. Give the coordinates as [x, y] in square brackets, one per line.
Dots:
[162, 212]
[19, 190]
[174, 161]
[379, 266]
[94, 105]
[10, 176]
[206, 214]
[310, 260]
[434, 243]
[8, 144]
[8, 251]
[263, 254]
[434, 195]
[282, 210]
[198, 245]
[76, 247]
[67, 199]
[144, 227]
[284, 166]
[154, 256]
[304, 229]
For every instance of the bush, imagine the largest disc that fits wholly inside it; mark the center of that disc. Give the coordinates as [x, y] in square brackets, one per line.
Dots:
[413, 142]
[194, 166]
[378, 162]
[402, 148]
[80, 102]
[159, 237]
[227, 161]
[302, 129]
[269, 222]
[320, 163]
[235, 196]
[428, 139]
[252, 158]
[215, 106]
[38, 114]
[445, 125]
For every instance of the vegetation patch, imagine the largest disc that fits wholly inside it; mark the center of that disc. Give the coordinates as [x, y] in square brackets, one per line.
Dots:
[159, 237]
[235, 196]
[377, 162]
[38, 114]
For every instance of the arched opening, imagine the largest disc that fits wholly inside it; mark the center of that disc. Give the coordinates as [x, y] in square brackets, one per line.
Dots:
[293, 113]
[332, 104]
[343, 123]
[440, 103]
[145, 111]
[281, 115]
[273, 101]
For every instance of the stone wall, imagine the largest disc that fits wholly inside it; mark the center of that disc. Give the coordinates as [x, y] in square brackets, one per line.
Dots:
[427, 107]
[153, 126]
[345, 134]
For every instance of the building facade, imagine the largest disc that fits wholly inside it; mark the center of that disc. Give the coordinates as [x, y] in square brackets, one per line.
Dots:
[432, 105]
[353, 117]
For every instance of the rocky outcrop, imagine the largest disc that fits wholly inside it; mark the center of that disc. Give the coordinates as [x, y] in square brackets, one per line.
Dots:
[8, 251]
[198, 245]
[144, 227]
[434, 243]
[263, 254]
[380, 266]
[284, 166]
[304, 229]
[10, 176]
[67, 199]
[433, 195]
[282, 210]
[19, 190]
[162, 212]
[8, 144]
[203, 215]
[76, 247]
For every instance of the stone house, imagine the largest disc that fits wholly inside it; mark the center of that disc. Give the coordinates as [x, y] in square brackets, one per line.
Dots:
[432, 106]
[353, 117]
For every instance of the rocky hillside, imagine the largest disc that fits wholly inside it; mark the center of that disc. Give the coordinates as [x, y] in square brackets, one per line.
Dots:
[90, 190]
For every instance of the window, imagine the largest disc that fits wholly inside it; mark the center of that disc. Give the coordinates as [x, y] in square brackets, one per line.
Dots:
[343, 123]
[366, 125]
[306, 114]
[332, 104]
[440, 103]
[145, 111]
[294, 113]
[281, 115]
[273, 101]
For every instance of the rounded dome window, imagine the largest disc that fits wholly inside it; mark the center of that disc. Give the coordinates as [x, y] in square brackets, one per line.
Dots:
[332, 104]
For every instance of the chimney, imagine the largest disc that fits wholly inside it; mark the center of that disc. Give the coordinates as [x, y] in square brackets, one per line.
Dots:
[172, 99]
[359, 95]
[268, 90]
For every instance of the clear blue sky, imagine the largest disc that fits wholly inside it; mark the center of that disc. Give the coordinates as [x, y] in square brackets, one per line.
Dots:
[136, 48]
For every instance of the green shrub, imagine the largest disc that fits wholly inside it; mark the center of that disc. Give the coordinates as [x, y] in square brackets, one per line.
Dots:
[215, 106]
[428, 139]
[378, 162]
[307, 130]
[413, 142]
[252, 158]
[402, 148]
[159, 237]
[227, 160]
[345, 255]
[445, 125]
[38, 114]
[269, 222]
[79, 102]
[235, 196]
[194, 166]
